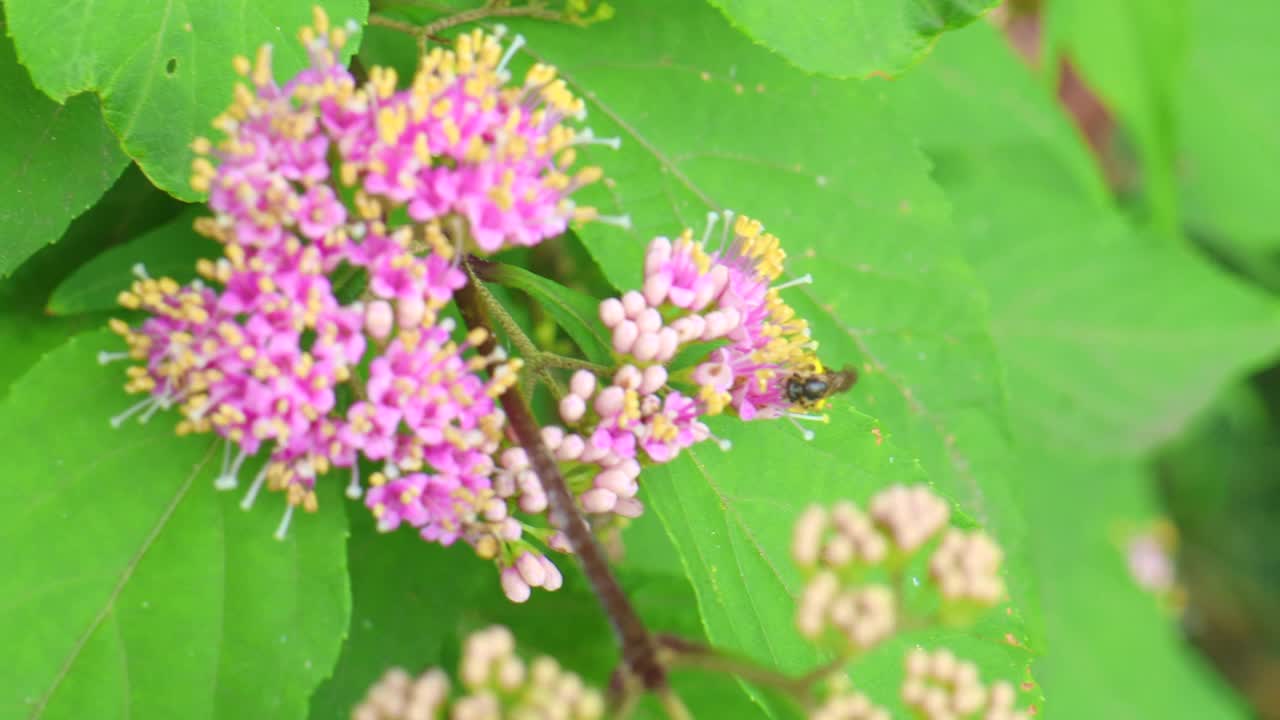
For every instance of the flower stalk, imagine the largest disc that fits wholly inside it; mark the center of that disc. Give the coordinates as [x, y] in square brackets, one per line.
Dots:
[639, 651]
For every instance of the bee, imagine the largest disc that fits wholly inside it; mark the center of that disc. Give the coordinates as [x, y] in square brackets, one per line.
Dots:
[808, 389]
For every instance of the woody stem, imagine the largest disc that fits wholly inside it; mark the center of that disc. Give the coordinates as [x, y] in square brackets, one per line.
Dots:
[639, 651]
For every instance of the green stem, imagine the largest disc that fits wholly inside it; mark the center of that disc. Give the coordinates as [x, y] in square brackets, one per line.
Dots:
[564, 362]
[536, 9]
[678, 653]
[528, 351]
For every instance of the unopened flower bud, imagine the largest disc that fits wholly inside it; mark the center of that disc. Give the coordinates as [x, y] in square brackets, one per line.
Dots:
[531, 571]
[624, 337]
[610, 400]
[572, 408]
[646, 346]
[617, 482]
[551, 578]
[552, 436]
[514, 586]
[911, 515]
[377, 319]
[633, 303]
[967, 565]
[570, 448]
[582, 384]
[655, 376]
[628, 507]
[815, 601]
[649, 321]
[628, 377]
[612, 312]
[668, 343]
[559, 542]
[410, 312]
[599, 500]
[807, 537]
[655, 289]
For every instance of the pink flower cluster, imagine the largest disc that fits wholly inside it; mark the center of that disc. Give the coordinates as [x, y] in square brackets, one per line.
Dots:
[316, 341]
[727, 296]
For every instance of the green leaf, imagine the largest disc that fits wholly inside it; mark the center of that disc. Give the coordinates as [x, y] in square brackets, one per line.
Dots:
[137, 590]
[1112, 339]
[1115, 648]
[1227, 105]
[162, 70]
[170, 250]
[731, 514]
[575, 312]
[854, 37]
[27, 332]
[1130, 52]
[1218, 483]
[57, 160]
[415, 601]
[725, 123]
[854, 208]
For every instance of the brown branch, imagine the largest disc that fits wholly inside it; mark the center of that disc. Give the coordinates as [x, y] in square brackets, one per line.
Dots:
[431, 31]
[639, 652]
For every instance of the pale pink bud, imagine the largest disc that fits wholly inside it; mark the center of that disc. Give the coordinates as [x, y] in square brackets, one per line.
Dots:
[514, 458]
[657, 254]
[719, 278]
[510, 530]
[551, 578]
[593, 453]
[628, 377]
[628, 507]
[571, 448]
[649, 321]
[582, 384]
[410, 311]
[633, 303]
[495, 510]
[668, 343]
[504, 485]
[616, 481]
[559, 542]
[689, 327]
[655, 376]
[599, 500]
[528, 481]
[717, 326]
[807, 538]
[510, 674]
[531, 571]
[514, 586]
[533, 502]
[630, 466]
[572, 408]
[733, 317]
[611, 312]
[552, 436]
[711, 290]
[655, 289]
[609, 401]
[377, 319]
[646, 347]
[624, 336]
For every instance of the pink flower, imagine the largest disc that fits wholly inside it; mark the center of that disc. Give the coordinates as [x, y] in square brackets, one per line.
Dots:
[461, 141]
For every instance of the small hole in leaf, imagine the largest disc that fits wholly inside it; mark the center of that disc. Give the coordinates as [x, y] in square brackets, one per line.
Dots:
[172, 66]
